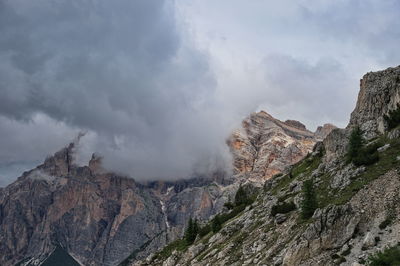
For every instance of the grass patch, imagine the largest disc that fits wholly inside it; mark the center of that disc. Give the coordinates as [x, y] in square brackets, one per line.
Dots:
[283, 207]
[388, 257]
[179, 244]
[387, 161]
[307, 165]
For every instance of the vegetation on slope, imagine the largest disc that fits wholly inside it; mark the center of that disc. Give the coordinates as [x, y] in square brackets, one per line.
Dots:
[389, 257]
[242, 200]
[360, 154]
[317, 191]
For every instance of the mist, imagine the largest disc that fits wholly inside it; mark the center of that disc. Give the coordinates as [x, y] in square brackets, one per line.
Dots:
[158, 86]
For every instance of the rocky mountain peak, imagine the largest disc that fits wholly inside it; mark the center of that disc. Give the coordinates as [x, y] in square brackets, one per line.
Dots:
[379, 93]
[60, 163]
[265, 146]
[354, 217]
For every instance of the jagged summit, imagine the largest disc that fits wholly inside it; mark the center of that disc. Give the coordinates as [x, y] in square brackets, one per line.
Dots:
[356, 211]
[266, 146]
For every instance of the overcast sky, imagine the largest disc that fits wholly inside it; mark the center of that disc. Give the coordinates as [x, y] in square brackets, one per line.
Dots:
[158, 85]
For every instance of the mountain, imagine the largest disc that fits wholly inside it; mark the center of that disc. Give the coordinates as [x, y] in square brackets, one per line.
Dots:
[265, 146]
[94, 217]
[338, 206]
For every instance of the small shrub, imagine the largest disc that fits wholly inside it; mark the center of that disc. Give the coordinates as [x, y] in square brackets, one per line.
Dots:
[388, 257]
[385, 223]
[204, 230]
[283, 207]
[229, 205]
[335, 256]
[365, 158]
[223, 217]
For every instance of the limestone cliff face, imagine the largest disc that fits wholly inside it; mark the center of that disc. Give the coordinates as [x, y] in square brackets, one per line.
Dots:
[89, 215]
[379, 93]
[99, 218]
[266, 146]
[358, 206]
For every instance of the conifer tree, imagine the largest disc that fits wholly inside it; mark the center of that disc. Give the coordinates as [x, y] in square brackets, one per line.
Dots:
[309, 203]
[241, 197]
[216, 224]
[355, 143]
[190, 233]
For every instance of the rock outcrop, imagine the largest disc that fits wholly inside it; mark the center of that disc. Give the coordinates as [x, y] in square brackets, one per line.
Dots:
[379, 93]
[358, 206]
[266, 146]
[101, 218]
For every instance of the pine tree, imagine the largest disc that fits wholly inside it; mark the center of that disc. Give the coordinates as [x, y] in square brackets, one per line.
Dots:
[309, 203]
[241, 197]
[355, 143]
[216, 224]
[196, 228]
[190, 233]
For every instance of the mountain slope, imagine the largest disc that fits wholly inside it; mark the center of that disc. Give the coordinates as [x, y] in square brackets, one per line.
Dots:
[101, 218]
[358, 204]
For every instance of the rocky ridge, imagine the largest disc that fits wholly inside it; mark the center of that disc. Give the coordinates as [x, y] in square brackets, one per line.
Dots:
[266, 146]
[358, 206]
[101, 218]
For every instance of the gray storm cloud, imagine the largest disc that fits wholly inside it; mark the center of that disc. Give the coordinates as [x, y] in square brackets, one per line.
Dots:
[158, 85]
[119, 70]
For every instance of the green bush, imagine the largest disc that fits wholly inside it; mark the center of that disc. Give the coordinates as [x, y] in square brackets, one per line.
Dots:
[393, 118]
[385, 223]
[283, 207]
[365, 158]
[204, 230]
[309, 203]
[242, 197]
[216, 224]
[223, 217]
[388, 257]
[360, 154]
[229, 205]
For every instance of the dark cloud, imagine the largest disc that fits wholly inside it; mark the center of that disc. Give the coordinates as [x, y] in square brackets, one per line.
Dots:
[118, 69]
[158, 85]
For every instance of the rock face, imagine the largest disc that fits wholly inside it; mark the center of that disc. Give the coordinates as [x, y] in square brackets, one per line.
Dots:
[265, 146]
[379, 93]
[358, 207]
[100, 218]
